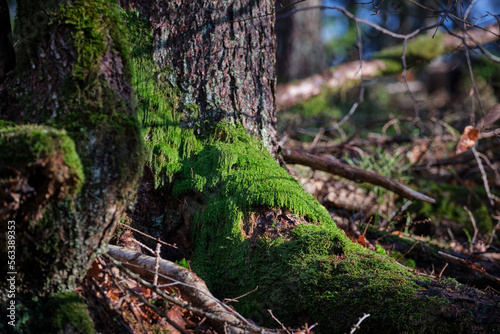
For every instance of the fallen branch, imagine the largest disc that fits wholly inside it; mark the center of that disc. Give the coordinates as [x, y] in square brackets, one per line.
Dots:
[348, 74]
[469, 264]
[352, 173]
[192, 288]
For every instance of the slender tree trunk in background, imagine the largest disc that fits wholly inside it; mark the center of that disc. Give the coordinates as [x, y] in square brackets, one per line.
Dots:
[299, 46]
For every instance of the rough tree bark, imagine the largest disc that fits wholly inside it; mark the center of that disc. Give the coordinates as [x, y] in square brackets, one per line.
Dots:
[222, 60]
[72, 76]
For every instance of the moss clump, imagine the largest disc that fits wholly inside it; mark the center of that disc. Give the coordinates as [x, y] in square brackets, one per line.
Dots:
[422, 47]
[57, 314]
[313, 273]
[22, 146]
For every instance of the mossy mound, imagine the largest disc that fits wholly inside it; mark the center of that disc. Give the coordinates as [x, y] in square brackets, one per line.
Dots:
[21, 146]
[312, 272]
[57, 314]
[39, 163]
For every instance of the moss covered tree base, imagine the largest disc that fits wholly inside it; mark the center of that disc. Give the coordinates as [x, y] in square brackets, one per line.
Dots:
[254, 225]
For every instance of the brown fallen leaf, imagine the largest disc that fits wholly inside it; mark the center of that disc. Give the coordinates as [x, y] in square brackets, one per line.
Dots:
[175, 315]
[362, 240]
[491, 117]
[467, 140]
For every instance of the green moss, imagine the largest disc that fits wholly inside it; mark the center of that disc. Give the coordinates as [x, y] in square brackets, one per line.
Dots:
[21, 146]
[98, 112]
[314, 272]
[160, 113]
[422, 47]
[90, 21]
[57, 314]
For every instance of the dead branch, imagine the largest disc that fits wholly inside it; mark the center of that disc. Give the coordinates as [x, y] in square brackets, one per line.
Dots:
[288, 95]
[469, 264]
[192, 288]
[352, 173]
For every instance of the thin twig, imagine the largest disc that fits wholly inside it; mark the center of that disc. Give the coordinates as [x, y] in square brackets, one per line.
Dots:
[228, 300]
[147, 235]
[442, 270]
[355, 327]
[409, 250]
[484, 177]
[473, 240]
[279, 322]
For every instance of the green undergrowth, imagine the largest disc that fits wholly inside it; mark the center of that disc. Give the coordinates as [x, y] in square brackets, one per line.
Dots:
[450, 206]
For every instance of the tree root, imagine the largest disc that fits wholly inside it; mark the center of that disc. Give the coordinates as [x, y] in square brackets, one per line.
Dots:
[192, 288]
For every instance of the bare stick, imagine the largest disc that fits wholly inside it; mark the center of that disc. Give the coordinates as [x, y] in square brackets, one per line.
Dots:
[157, 265]
[355, 327]
[294, 156]
[442, 270]
[279, 322]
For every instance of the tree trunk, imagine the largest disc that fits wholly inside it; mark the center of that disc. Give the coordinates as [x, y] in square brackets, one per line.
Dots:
[299, 52]
[72, 74]
[222, 59]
